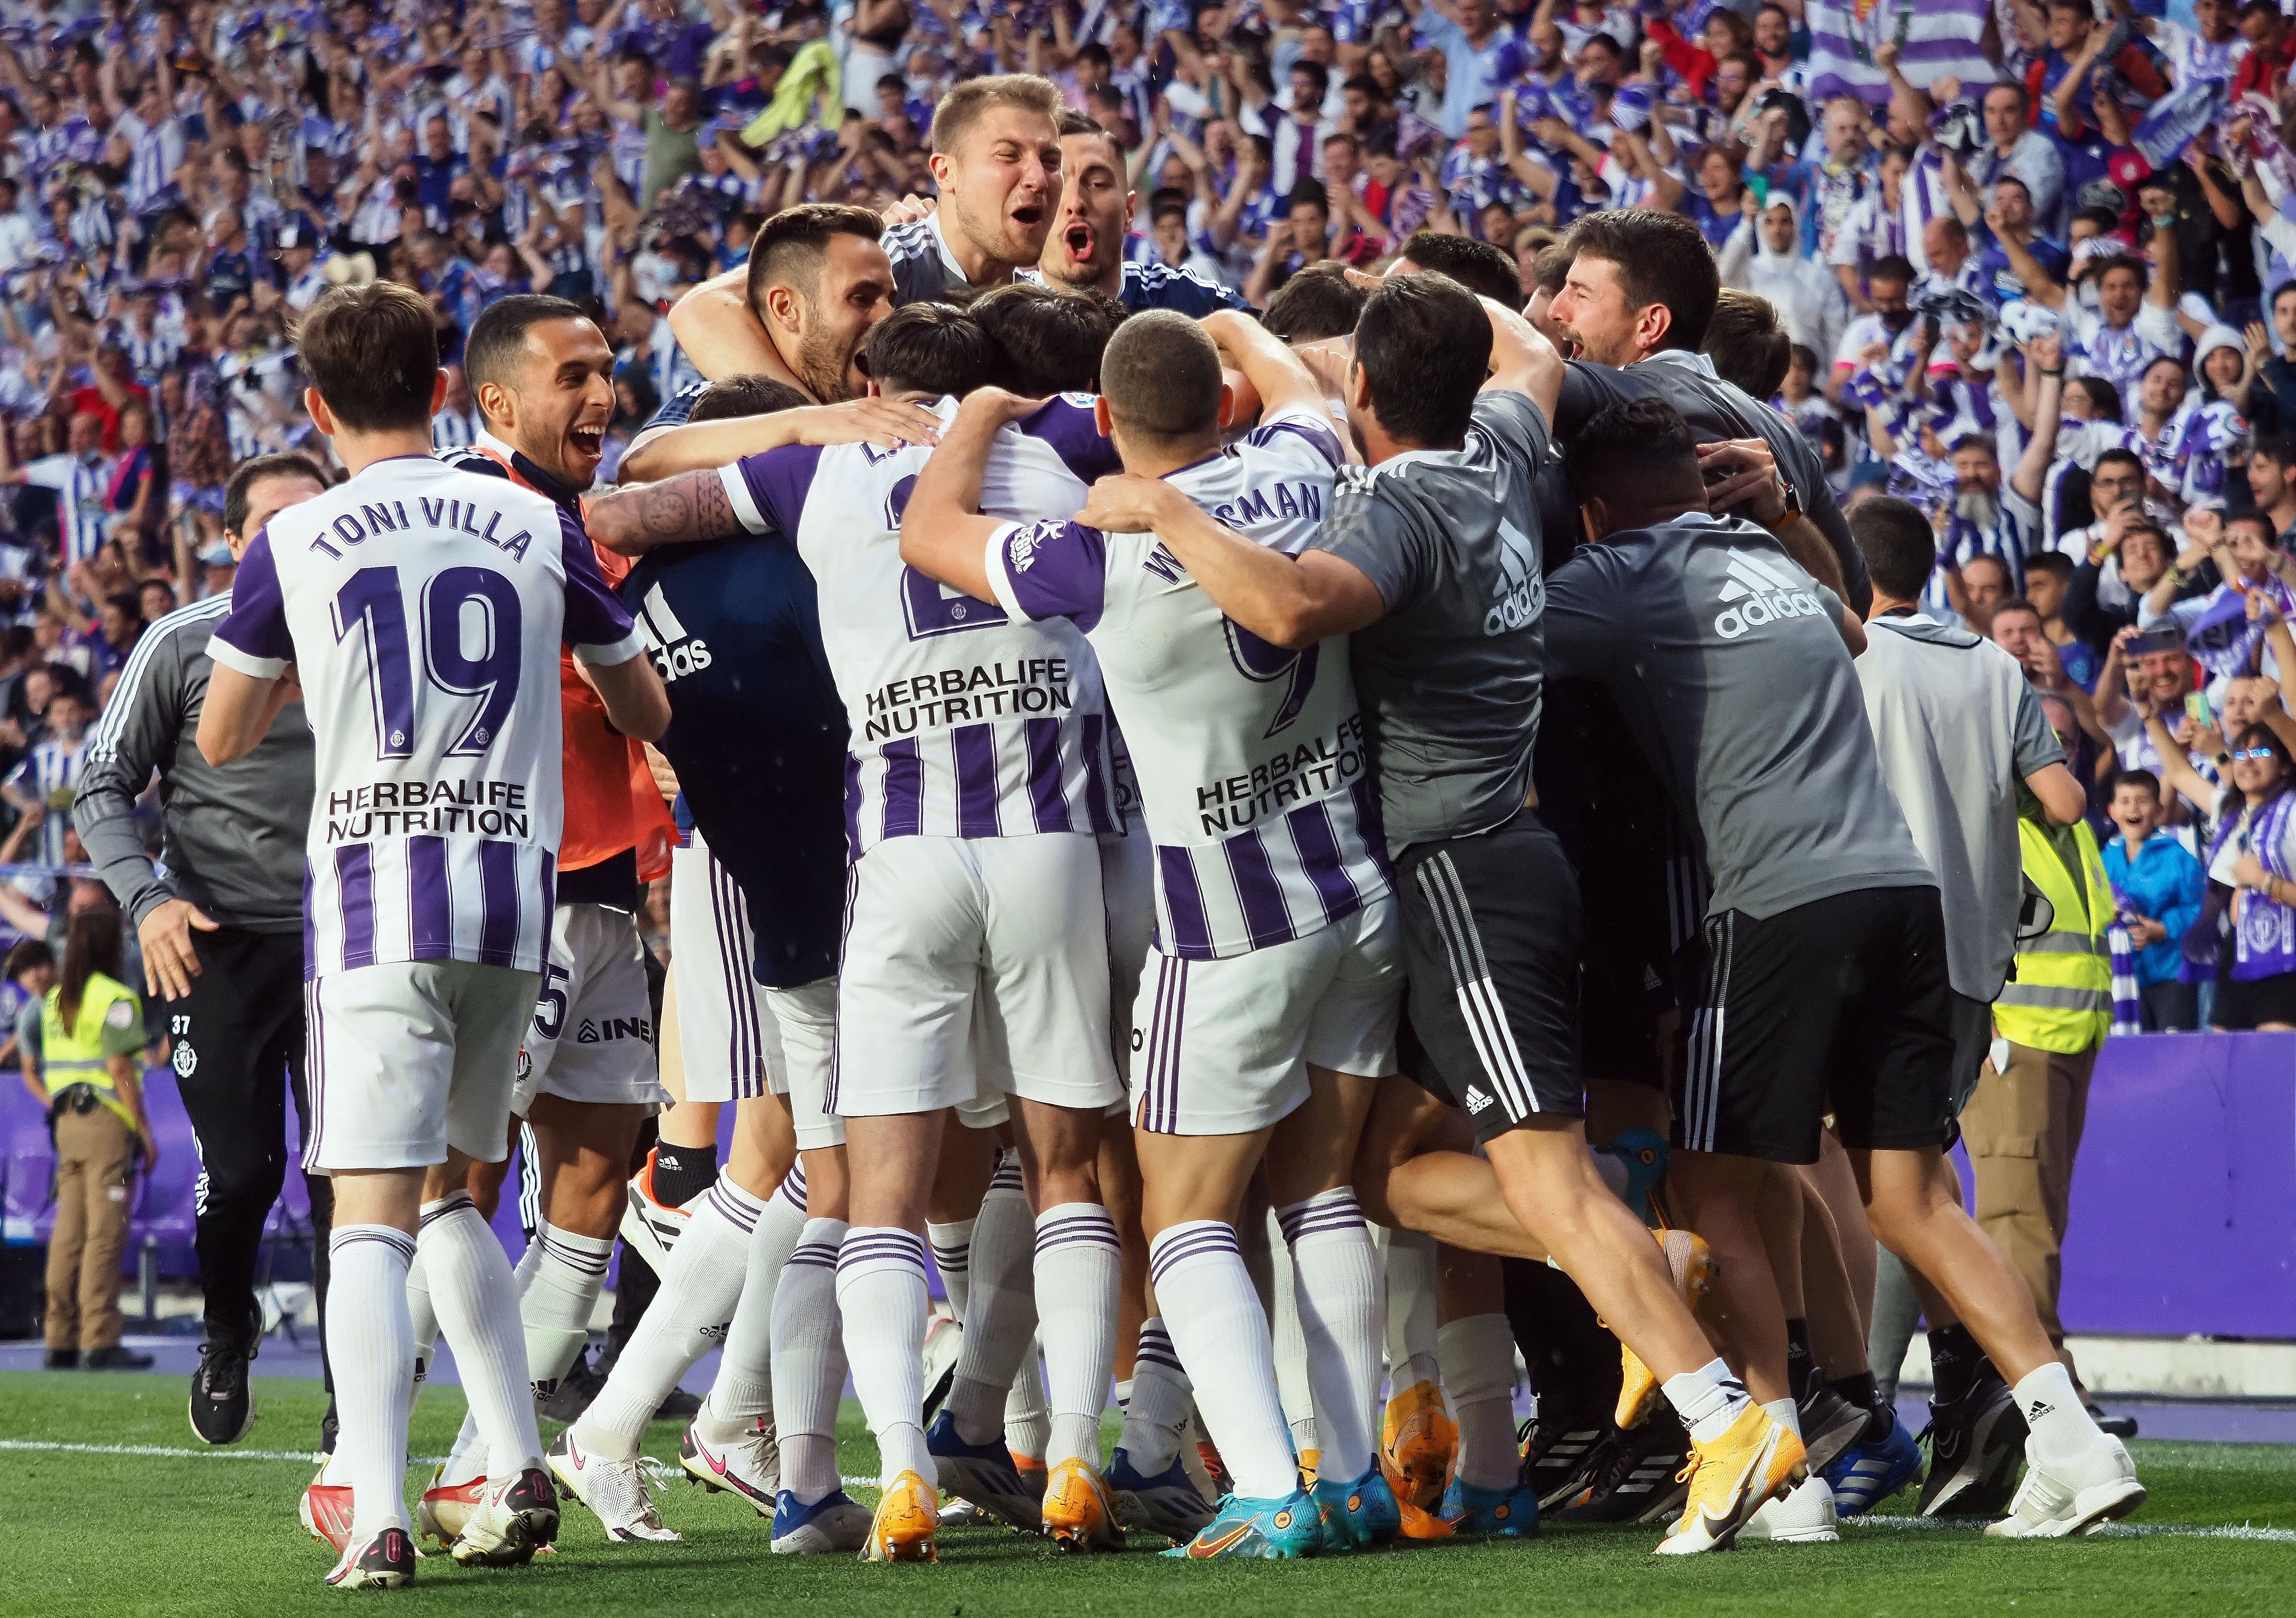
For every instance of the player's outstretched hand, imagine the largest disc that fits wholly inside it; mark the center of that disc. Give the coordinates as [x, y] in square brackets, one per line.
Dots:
[1124, 504]
[887, 423]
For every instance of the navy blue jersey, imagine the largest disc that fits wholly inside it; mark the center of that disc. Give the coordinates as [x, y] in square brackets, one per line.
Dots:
[1158, 286]
[757, 735]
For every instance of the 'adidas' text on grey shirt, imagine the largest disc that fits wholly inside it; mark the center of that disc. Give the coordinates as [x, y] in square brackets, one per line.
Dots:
[1728, 663]
[1449, 678]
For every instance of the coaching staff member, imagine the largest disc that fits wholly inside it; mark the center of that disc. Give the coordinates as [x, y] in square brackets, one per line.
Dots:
[1638, 299]
[221, 935]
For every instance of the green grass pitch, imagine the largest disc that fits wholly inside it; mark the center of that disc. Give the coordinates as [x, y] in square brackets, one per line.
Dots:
[117, 1533]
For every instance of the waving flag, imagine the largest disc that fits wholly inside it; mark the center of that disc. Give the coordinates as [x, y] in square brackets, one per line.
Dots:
[1935, 39]
[2176, 121]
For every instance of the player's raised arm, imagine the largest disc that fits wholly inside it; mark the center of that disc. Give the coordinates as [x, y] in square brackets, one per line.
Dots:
[1290, 601]
[943, 534]
[689, 507]
[1522, 361]
[1279, 377]
[705, 446]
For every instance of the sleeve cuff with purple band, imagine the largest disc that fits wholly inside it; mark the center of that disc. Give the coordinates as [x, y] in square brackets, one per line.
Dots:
[253, 637]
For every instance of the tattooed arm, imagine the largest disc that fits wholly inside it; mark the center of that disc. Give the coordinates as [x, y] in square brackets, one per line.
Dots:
[689, 507]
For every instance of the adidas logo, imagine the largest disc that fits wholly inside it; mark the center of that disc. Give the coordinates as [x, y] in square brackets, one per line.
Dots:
[2039, 1410]
[1761, 590]
[1476, 1099]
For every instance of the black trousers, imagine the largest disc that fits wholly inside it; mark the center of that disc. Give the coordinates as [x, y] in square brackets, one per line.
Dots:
[238, 1041]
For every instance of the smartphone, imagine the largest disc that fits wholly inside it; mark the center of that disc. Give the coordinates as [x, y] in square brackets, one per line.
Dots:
[2161, 638]
[2196, 707]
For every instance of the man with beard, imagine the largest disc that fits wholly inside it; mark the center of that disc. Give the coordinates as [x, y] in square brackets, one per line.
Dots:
[997, 163]
[1637, 300]
[542, 375]
[1989, 520]
[1085, 250]
[817, 283]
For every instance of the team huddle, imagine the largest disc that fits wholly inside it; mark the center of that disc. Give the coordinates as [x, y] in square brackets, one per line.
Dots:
[1112, 808]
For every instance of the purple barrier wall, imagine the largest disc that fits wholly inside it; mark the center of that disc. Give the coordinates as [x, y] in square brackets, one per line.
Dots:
[2184, 1213]
[2183, 1204]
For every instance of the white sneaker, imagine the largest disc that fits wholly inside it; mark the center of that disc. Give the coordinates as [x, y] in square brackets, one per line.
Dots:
[615, 1490]
[382, 1561]
[510, 1522]
[2052, 1502]
[1802, 1516]
[751, 1465]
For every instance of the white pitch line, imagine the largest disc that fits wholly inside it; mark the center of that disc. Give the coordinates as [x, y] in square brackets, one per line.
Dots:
[663, 1470]
[309, 1458]
[2111, 1531]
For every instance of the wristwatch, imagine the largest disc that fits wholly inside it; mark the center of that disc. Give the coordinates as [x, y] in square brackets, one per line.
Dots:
[1793, 510]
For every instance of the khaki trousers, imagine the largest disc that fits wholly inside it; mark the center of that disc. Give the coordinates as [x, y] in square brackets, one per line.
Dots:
[94, 1154]
[2022, 1128]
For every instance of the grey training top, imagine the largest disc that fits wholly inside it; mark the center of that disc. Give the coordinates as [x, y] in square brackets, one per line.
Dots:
[1728, 663]
[1450, 679]
[1958, 728]
[233, 837]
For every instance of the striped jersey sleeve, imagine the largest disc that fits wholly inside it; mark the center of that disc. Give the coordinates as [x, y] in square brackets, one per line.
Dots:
[253, 637]
[1050, 571]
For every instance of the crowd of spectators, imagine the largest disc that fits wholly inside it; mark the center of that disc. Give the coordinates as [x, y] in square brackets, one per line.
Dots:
[2034, 267]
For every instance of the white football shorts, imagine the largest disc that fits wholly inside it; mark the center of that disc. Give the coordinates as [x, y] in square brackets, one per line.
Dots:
[591, 1034]
[972, 964]
[726, 1036]
[406, 1059]
[803, 1023]
[1223, 1047]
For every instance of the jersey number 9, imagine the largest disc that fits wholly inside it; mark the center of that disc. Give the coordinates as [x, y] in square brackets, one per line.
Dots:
[371, 602]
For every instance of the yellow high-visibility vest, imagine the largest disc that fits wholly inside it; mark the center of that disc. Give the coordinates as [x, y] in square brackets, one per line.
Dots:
[76, 1055]
[2060, 997]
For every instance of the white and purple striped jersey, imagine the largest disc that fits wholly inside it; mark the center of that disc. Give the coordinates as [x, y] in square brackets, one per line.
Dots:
[423, 608]
[1251, 759]
[965, 722]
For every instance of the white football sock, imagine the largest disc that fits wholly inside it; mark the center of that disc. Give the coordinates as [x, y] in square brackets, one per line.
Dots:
[952, 1255]
[880, 1292]
[1027, 1410]
[744, 1388]
[2062, 1427]
[1708, 1399]
[467, 1458]
[1156, 1415]
[809, 1362]
[1000, 1312]
[1287, 1340]
[1786, 1413]
[1079, 1272]
[424, 1320]
[371, 1347]
[476, 1296]
[1343, 1319]
[1410, 1325]
[699, 1289]
[557, 1300]
[1214, 1317]
[1478, 1359]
